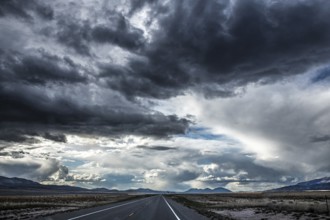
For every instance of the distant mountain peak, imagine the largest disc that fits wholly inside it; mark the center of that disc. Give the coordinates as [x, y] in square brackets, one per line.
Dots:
[16, 184]
[316, 184]
[20, 184]
[6, 181]
[208, 190]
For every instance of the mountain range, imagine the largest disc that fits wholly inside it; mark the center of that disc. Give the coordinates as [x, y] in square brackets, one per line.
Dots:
[19, 184]
[11, 185]
[24, 184]
[317, 184]
[207, 190]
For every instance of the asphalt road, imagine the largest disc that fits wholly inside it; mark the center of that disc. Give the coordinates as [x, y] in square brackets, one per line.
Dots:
[151, 208]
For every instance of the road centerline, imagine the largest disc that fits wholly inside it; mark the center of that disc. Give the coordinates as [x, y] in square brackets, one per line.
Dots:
[177, 217]
[102, 210]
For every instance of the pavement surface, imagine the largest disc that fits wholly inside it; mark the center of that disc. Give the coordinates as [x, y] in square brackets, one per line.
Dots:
[151, 208]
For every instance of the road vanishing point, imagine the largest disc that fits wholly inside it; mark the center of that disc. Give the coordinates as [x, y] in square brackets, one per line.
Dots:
[151, 208]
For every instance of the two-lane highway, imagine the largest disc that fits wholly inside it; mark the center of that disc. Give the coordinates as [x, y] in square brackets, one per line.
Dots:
[151, 208]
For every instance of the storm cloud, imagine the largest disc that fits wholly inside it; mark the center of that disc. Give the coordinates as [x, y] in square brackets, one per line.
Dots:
[323, 138]
[159, 148]
[24, 10]
[228, 44]
[28, 167]
[222, 91]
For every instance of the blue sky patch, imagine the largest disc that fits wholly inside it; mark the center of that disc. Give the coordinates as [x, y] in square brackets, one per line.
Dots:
[322, 75]
[203, 133]
[75, 163]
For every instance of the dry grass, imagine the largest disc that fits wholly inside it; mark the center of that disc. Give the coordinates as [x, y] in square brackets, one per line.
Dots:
[27, 206]
[287, 204]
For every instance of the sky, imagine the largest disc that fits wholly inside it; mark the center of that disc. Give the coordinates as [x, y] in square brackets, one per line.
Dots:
[166, 95]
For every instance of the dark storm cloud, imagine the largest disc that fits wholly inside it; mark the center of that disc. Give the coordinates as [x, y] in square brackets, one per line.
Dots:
[28, 135]
[24, 9]
[208, 46]
[16, 136]
[213, 92]
[321, 138]
[74, 34]
[226, 43]
[39, 68]
[117, 31]
[200, 42]
[183, 175]
[120, 33]
[157, 148]
[55, 137]
[144, 79]
[23, 107]
[41, 88]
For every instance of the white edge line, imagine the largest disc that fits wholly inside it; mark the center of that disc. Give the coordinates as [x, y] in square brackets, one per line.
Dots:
[177, 217]
[102, 210]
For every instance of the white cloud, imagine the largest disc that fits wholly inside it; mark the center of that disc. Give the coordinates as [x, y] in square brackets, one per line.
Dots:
[28, 167]
[273, 121]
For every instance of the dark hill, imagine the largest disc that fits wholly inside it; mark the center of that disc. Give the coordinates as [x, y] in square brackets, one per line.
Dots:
[317, 184]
